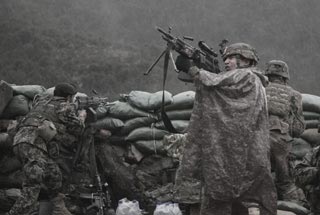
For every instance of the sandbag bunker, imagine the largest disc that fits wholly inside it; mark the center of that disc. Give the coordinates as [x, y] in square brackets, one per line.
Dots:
[137, 152]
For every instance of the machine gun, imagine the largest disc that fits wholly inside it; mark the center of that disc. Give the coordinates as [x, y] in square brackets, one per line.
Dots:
[84, 102]
[204, 57]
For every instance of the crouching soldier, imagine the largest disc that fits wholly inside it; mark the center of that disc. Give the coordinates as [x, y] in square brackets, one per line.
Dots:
[308, 178]
[36, 133]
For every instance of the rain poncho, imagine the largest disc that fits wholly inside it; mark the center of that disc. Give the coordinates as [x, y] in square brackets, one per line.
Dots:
[228, 138]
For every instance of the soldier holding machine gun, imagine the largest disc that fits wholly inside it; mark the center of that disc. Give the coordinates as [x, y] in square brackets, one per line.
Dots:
[228, 132]
[231, 145]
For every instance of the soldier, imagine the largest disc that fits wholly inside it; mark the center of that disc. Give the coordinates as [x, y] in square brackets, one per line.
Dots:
[228, 135]
[307, 177]
[285, 122]
[35, 143]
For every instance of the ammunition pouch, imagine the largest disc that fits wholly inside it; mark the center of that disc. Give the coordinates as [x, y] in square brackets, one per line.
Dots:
[47, 130]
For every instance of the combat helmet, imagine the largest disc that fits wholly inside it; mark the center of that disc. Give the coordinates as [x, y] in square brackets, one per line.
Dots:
[64, 90]
[277, 67]
[242, 49]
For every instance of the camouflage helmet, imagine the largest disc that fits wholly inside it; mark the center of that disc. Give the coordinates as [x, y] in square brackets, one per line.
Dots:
[242, 49]
[277, 67]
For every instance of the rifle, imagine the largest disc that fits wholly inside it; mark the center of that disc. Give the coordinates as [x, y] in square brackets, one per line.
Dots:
[204, 57]
[100, 200]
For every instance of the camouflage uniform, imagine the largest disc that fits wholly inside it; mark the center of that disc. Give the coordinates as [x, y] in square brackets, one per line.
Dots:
[36, 151]
[285, 122]
[229, 148]
[308, 177]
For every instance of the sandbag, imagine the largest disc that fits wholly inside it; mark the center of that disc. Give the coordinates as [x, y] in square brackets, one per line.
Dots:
[311, 136]
[150, 146]
[281, 212]
[6, 94]
[109, 123]
[179, 114]
[117, 140]
[49, 91]
[18, 106]
[146, 133]
[310, 115]
[126, 207]
[311, 103]
[148, 101]
[300, 148]
[137, 122]
[9, 164]
[182, 100]
[167, 209]
[28, 90]
[101, 112]
[124, 111]
[312, 123]
[179, 125]
[293, 207]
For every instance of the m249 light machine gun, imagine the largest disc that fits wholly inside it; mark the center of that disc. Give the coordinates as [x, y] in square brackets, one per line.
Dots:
[204, 57]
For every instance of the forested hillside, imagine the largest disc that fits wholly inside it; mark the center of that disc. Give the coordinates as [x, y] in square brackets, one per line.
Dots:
[107, 44]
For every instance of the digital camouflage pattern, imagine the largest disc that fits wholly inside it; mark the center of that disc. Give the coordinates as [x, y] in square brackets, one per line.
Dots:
[228, 139]
[242, 49]
[40, 172]
[285, 121]
[285, 109]
[277, 67]
[307, 177]
[36, 153]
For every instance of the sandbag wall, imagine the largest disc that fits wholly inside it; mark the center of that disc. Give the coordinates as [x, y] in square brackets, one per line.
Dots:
[135, 120]
[311, 136]
[138, 136]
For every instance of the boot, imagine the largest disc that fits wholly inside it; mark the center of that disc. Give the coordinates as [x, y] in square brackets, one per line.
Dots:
[58, 206]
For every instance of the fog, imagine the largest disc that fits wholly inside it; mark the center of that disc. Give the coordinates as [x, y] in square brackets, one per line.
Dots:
[122, 32]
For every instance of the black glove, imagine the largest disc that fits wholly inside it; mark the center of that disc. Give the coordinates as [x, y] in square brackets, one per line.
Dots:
[183, 63]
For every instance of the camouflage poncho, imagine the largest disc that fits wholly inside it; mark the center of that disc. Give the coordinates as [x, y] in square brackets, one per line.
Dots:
[228, 137]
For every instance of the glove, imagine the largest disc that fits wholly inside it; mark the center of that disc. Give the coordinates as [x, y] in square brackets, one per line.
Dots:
[193, 71]
[183, 63]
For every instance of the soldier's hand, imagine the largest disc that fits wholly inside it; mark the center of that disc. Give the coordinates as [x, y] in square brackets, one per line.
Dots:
[82, 115]
[193, 71]
[183, 63]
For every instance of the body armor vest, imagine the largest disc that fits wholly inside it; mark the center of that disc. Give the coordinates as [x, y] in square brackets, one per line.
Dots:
[278, 97]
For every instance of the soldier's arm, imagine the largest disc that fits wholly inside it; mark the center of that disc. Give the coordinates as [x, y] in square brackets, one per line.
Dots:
[68, 115]
[306, 172]
[299, 108]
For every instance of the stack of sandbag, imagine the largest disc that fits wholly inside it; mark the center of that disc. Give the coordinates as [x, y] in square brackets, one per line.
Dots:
[21, 100]
[131, 121]
[310, 137]
[179, 111]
